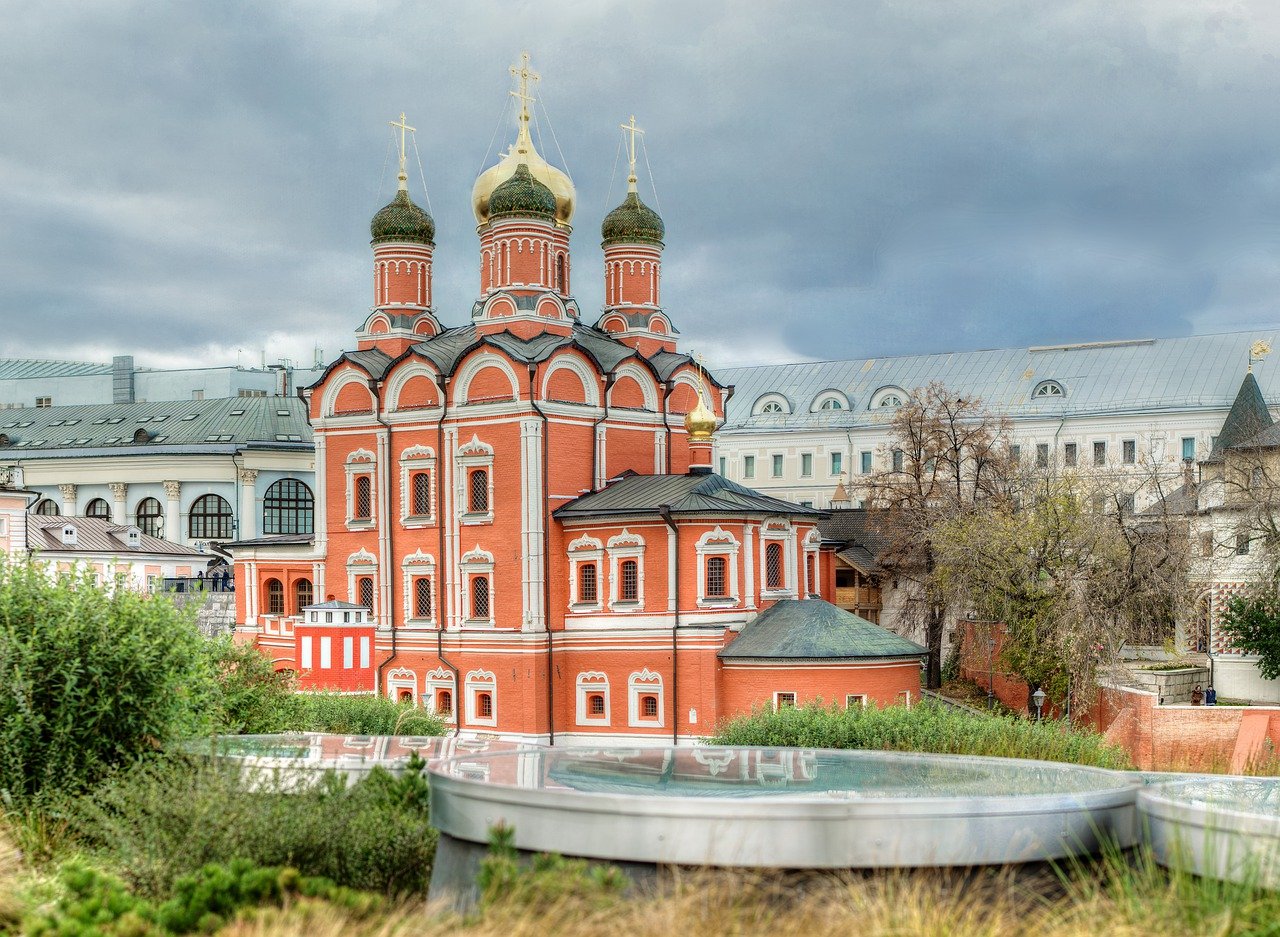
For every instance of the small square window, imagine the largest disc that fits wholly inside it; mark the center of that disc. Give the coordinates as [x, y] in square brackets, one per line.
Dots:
[1188, 447]
[1069, 454]
[777, 466]
[806, 464]
[784, 701]
[865, 466]
[855, 700]
[748, 466]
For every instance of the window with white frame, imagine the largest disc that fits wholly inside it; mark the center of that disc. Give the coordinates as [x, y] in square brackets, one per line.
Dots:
[855, 701]
[771, 405]
[362, 568]
[778, 558]
[402, 684]
[717, 568]
[784, 699]
[475, 481]
[888, 398]
[645, 699]
[418, 572]
[477, 571]
[417, 486]
[438, 691]
[626, 571]
[585, 553]
[593, 699]
[359, 469]
[482, 698]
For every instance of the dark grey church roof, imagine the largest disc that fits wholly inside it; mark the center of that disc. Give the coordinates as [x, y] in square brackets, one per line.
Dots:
[1247, 418]
[859, 533]
[224, 424]
[679, 494]
[814, 629]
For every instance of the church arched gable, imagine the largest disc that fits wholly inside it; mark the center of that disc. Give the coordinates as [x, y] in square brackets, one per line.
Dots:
[485, 376]
[571, 378]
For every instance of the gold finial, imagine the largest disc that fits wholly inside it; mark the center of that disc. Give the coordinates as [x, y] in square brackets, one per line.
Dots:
[700, 422]
[1257, 351]
[404, 176]
[632, 129]
[524, 74]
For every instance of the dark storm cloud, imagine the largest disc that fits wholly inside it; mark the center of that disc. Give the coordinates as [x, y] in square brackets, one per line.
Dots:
[182, 180]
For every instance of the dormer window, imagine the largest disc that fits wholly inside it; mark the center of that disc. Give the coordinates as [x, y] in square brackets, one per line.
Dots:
[69, 535]
[133, 537]
[771, 405]
[829, 401]
[888, 398]
[1048, 389]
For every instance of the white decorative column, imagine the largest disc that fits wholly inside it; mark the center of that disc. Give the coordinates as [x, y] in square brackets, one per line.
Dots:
[119, 491]
[248, 528]
[173, 511]
[68, 499]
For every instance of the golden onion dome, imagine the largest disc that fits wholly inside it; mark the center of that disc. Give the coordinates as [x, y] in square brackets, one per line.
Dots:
[523, 151]
[700, 422]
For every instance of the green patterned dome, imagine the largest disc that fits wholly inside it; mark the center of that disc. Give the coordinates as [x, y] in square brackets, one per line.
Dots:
[632, 222]
[402, 221]
[523, 196]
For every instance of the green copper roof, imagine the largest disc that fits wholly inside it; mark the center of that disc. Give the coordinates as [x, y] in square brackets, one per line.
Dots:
[813, 629]
[401, 220]
[1247, 418]
[632, 222]
[524, 196]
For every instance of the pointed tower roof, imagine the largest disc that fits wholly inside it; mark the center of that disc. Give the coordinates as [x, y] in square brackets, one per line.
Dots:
[1247, 418]
[840, 498]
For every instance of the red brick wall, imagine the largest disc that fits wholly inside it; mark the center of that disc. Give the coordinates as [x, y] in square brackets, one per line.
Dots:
[745, 687]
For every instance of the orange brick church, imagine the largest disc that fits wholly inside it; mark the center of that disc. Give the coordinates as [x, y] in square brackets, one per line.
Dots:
[517, 524]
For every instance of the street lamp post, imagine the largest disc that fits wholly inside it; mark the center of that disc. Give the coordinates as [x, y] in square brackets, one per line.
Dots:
[991, 672]
[1038, 698]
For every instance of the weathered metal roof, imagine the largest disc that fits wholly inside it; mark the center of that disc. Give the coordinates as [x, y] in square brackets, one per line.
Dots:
[1192, 372]
[1246, 420]
[22, 368]
[814, 629]
[273, 540]
[93, 535]
[679, 494]
[216, 425]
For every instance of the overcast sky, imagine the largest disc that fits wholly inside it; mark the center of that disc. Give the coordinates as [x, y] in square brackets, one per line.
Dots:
[193, 182]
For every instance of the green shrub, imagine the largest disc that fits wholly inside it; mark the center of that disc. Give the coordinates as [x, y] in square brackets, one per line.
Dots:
[90, 678]
[925, 727]
[545, 879]
[168, 818]
[359, 715]
[93, 902]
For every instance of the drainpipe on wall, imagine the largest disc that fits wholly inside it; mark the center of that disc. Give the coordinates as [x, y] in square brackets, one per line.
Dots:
[546, 555]
[595, 428]
[440, 519]
[665, 511]
[389, 522]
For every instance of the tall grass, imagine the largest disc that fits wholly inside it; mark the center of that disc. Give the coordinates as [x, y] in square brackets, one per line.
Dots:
[926, 727]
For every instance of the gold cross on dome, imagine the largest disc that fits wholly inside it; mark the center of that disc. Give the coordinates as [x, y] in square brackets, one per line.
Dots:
[524, 74]
[403, 129]
[631, 128]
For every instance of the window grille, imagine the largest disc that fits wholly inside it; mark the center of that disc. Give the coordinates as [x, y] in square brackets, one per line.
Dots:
[364, 497]
[649, 707]
[595, 704]
[210, 518]
[421, 494]
[587, 583]
[288, 508]
[444, 703]
[422, 597]
[773, 566]
[630, 573]
[485, 705]
[275, 597]
[364, 588]
[716, 585]
[480, 597]
[151, 517]
[303, 595]
[478, 502]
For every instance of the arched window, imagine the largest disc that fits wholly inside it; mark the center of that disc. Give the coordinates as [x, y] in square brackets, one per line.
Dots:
[364, 589]
[629, 587]
[588, 584]
[1049, 389]
[288, 508]
[48, 508]
[560, 281]
[810, 583]
[444, 702]
[484, 705]
[421, 494]
[717, 581]
[831, 403]
[98, 508]
[478, 492]
[772, 407]
[595, 705]
[150, 517]
[364, 497]
[480, 597]
[422, 597]
[303, 595]
[773, 566]
[275, 597]
[649, 707]
[406, 696]
[890, 400]
[210, 518]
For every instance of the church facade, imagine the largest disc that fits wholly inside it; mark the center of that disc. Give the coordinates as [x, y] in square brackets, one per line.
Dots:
[517, 521]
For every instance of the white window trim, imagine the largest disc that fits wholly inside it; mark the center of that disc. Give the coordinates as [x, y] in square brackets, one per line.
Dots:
[304, 652]
[590, 683]
[586, 549]
[419, 565]
[362, 563]
[477, 562]
[477, 682]
[820, 401]
[782, 532]
[860, 697]
[812, 548]
[348, 652]
[326, 653]
[645, 683]
[795, 699]
[361, 462]
[436, 680]
[764, 400]
[399, 679]
[412, 460]
[473, 455]
[625, 546]
[718, 542]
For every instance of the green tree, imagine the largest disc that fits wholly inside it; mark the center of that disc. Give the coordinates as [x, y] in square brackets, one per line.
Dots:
[1252, 623]
[91, 677]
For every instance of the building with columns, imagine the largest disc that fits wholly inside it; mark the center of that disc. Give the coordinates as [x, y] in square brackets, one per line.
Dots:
[518, 524]
[193, 472]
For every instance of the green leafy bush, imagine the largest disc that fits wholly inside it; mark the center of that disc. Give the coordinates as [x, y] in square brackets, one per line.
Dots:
[925, 727]
[1252, 624]
[168, 818]
[90, 678]
[93, 902]
[545, 879]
